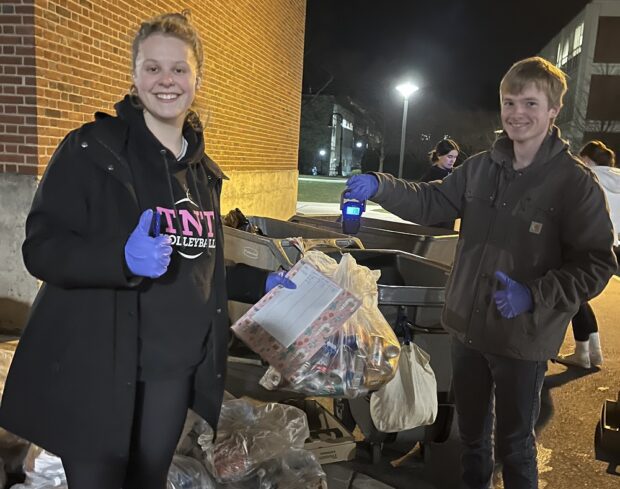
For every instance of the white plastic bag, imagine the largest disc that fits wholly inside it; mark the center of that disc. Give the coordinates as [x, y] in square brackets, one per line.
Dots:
[409, 400]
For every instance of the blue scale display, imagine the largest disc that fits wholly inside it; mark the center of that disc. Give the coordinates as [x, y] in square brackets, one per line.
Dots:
[352, 210]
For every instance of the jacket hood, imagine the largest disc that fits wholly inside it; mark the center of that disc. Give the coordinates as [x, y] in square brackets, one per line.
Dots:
[503, 149]
[608, 177]
[130, 112]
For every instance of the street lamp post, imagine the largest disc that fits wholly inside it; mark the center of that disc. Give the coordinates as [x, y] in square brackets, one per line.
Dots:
[405, 89]
[322, 153]
[337, 115]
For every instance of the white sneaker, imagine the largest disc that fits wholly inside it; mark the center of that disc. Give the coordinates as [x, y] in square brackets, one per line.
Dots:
[575, 359]
[596, 358]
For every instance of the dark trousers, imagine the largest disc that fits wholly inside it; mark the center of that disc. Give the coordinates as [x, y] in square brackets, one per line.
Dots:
[161, 408]
[584, 323]
[492, 388]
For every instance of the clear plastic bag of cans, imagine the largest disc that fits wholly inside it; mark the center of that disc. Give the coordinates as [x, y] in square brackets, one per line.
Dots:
[362, 356]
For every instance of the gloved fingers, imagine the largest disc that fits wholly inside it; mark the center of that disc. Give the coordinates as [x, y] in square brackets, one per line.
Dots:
[164, 260]
[500, 295]
[503, 278]
[352, 181]
[288, 283]
[163, 241]
[506, 311]
[144, 224]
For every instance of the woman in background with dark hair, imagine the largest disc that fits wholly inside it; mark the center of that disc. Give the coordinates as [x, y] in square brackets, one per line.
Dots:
[588, 352]
[443, 157]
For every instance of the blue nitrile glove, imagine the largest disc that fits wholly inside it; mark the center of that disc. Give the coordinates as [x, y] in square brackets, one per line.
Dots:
[278, 278]
[361, 187]
[147, 256]
[514, 299]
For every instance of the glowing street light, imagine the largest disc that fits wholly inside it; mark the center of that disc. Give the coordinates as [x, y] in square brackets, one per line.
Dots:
[406, 90]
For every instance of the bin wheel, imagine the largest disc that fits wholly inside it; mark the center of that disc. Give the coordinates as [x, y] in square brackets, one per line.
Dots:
[342, 412]
[376, 452]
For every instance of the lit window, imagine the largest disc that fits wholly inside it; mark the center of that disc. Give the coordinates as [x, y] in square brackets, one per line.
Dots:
[565, 50]
[578, 39]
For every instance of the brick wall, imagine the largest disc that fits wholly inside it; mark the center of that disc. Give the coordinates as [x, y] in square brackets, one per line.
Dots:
[251, 85]
[18, 133]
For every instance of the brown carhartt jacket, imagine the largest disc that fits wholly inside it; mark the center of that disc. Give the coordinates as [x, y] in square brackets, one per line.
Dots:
[546, 226]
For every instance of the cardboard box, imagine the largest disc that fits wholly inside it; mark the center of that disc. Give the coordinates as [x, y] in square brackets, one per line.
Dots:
[329, 440]
[7, 350]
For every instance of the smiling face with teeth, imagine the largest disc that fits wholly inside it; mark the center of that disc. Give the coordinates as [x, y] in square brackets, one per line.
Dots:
[527, 116]
[165, 78]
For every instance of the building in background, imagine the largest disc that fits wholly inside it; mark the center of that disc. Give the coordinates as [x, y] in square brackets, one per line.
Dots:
[336, 136]
[62, 61]
[588, 50]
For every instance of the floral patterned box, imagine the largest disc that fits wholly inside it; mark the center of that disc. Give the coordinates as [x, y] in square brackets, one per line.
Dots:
[289, 360]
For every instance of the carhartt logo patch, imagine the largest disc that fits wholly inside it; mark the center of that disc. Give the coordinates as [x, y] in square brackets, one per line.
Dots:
[535, 227]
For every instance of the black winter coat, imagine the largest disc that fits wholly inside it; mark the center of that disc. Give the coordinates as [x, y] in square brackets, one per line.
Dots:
[72, 383]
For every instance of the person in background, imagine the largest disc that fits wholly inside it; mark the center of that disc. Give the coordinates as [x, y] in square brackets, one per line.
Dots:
[443, 158]
[130, 326]
[529, 254]
[602, 162]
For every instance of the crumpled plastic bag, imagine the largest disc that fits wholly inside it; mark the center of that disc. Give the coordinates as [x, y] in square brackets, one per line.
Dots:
[43, 470]
[362, 355]
[189, 473]
[282, 466]
[249, 435]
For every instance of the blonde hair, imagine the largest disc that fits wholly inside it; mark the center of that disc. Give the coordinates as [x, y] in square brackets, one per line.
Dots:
[544, 75]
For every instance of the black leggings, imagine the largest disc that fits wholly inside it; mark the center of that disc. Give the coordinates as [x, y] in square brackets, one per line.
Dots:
[161, 407]
[584, 323]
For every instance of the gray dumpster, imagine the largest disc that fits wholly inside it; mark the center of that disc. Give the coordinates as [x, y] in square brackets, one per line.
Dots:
[275, 248]
[436, 244]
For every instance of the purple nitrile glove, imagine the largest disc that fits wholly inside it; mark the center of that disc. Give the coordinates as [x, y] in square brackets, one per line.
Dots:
[513, 299]
[147, 256]
[278, 278]
[361, 187]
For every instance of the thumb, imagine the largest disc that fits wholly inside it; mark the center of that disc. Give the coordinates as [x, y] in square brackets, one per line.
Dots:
[503, 278]
[144, 225]
[288, 283]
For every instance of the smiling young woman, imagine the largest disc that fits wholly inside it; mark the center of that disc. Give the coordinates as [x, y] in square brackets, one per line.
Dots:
[130, 328]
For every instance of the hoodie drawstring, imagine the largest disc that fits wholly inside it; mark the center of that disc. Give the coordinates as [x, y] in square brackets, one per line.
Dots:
[202, 212]
[171, 191]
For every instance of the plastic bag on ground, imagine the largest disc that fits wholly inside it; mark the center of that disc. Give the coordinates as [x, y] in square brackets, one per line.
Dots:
[188, 473]
[361, 356]
[249, 435]
[43, 470]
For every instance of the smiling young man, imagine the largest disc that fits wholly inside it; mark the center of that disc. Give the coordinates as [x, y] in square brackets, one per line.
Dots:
[535, 243]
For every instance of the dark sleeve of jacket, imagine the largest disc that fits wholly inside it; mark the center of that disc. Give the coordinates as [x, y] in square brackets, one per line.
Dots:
[62, 246]
[245, 283]
[423, 203]
[586, 235]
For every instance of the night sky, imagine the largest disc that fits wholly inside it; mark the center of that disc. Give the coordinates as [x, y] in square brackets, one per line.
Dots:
[456, 51]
